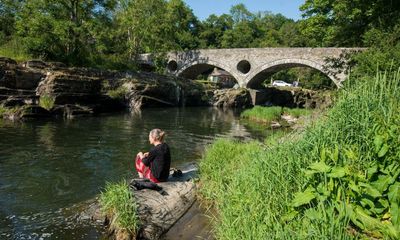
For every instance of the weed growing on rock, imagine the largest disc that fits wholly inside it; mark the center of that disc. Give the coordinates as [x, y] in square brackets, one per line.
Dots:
[46, 102]
[118, 203]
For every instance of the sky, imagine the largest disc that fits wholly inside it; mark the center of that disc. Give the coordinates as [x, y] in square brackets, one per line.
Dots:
[203, 8]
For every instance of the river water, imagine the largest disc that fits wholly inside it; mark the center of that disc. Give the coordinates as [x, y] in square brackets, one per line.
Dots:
[48, 166]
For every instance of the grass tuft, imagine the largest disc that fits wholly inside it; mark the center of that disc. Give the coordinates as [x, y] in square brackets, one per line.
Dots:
[118, 93]
[118, 202]
[16, 50]
[46, 102]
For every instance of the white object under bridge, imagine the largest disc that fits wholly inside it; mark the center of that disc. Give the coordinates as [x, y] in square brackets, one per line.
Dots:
[251, 66]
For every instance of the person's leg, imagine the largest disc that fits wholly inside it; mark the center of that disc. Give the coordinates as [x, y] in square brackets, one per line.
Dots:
[140, 167]
[147, 174]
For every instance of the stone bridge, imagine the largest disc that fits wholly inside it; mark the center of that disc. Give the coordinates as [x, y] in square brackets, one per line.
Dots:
[251, 66]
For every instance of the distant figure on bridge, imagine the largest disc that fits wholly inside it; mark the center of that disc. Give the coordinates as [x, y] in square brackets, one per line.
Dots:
[155, 164]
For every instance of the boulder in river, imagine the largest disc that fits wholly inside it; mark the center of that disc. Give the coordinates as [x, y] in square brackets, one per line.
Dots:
[157, 211]
[232, 98]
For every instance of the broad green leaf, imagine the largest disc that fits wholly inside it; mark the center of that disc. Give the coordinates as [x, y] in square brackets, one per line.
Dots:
[313, 214]
[337, 172]
[365, 202]
[320, 167]
[378, 141]
[309, 172]
[383, 202]
[370, 190]
[375, 226]
[394, 193]
[289, 216]
[353, 186]
[383, 150]
[394, 211]
[372, 170]
[382, 183]
[323, 155]
[302, 198]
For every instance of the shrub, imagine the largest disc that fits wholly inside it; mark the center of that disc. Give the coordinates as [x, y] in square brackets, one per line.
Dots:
[118, 93]
[46, 102]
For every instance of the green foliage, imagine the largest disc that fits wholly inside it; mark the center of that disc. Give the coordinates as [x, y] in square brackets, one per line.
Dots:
[15, 49]
[343, 171]
[384, 55]
[344, 23]
[118, 202]
[46, 102]
[213, 29]
[118, 93]
[3, 110]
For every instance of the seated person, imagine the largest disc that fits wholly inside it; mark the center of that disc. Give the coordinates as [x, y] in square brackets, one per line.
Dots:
[155, 164]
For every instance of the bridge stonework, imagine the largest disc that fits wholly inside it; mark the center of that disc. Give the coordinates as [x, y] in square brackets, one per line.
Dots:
[251, 66]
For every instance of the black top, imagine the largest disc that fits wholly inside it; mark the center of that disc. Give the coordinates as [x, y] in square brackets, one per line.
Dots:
[159, 160]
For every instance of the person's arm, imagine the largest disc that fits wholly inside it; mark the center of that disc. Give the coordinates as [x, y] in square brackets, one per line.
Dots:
[149, 158]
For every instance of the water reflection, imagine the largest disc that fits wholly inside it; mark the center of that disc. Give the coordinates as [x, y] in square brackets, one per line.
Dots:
[47, 166]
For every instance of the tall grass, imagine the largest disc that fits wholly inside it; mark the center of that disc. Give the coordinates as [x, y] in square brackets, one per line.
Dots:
[15, 49]
[297, 112]
[253, 188]
[263, 114]
[118, 202]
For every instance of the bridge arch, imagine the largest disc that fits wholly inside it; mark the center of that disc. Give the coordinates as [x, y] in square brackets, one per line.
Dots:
[192, 69]
[262, 72]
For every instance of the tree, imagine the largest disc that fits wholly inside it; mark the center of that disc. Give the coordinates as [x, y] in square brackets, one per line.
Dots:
[344, 22]
[59, 29]
[144, 26]
[212, 30]
[240, 13]
[243, 32]
[184, 23]
[8, 10]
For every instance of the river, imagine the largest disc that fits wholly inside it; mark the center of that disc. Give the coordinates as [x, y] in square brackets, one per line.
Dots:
[49, 165]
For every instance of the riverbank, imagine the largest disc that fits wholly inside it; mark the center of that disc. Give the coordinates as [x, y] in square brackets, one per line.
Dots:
[337, 179]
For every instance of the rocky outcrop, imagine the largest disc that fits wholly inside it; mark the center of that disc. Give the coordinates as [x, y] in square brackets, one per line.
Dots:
[77, 91]
[232, 98]
[154, 90]
[292, 98]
